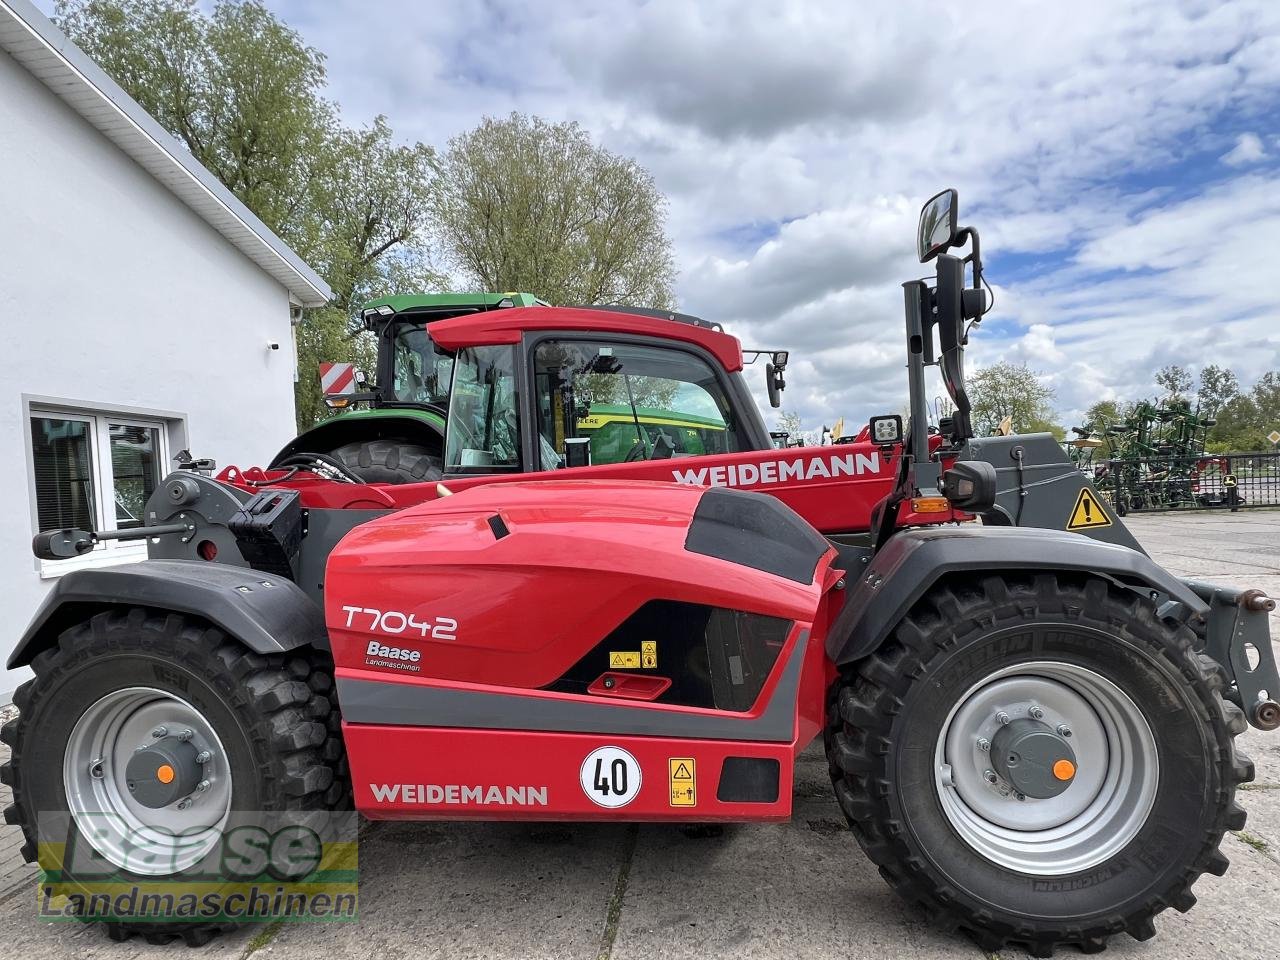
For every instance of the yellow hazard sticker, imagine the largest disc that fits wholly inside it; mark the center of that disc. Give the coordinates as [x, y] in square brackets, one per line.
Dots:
[684, 781]
[1088, 512]
[625, 660]
[649, 654]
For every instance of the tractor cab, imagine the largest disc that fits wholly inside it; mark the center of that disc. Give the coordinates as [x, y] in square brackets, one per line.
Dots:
[392, 431]
[538, 390]
[412, 371]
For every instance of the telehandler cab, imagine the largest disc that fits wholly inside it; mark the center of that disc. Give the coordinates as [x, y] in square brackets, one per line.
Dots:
[1030, 724]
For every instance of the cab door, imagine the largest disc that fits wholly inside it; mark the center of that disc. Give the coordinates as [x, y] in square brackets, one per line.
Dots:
[630, 400]
[483, 433]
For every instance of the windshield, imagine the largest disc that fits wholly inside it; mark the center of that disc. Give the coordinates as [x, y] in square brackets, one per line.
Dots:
[419, 374]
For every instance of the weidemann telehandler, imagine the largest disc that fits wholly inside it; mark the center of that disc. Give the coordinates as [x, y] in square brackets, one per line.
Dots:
[1030, 724]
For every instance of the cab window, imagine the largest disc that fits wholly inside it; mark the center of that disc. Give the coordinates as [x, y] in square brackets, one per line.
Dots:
[483, 434]
[420, 372]
[630, 401]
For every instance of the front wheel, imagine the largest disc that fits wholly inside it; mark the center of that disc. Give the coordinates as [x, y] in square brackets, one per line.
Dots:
[1038, 761]
[144, 736]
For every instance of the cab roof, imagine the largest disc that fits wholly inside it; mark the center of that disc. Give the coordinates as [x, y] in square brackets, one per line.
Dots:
[402, 303]
[507, 326]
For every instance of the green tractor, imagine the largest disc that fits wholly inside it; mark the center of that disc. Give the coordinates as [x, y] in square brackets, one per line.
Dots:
[394, 432]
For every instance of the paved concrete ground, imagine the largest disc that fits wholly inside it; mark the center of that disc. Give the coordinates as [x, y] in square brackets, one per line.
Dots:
[799, 889]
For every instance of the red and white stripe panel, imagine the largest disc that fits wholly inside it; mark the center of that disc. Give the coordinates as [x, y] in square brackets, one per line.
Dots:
[337, 378]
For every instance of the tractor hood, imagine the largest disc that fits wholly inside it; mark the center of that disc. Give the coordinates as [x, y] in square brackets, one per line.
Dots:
[514, 583]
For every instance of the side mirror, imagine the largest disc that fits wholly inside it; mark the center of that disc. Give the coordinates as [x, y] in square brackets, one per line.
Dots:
[62, 544]
[970, 485]
[774, 383]
[885, 430]
[938, 225]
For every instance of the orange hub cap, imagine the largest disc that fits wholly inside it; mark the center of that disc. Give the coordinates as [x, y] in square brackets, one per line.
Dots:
[1064, 769]
[164, 773]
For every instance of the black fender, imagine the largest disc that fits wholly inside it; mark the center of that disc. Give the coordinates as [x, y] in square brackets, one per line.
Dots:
[914, 560]
[267, 614]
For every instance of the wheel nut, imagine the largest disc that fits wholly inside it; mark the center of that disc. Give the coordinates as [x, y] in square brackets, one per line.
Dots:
[1064, 730]
[990, 776]
[184, 803]
[202, 786]
[1036, 713]
[1002, 718]
[185, 735]
[984, 744]
[203, 756]
[159, 732]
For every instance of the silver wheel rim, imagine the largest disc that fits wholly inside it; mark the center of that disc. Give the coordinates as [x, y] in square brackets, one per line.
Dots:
[140, 839]
[1101, 810]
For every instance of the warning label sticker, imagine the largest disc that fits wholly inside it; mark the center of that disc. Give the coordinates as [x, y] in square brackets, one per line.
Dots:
[625, 660]
[1088, 512]
[684, 781]
[649, 654]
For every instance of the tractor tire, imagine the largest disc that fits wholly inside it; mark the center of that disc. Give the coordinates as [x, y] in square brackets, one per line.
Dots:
[390, 461]
[917, 730]
[270, 725]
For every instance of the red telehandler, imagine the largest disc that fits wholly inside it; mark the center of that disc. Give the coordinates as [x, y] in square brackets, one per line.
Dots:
[1029, 723]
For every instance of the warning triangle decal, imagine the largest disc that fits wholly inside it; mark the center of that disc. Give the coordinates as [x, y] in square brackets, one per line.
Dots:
[1088, 512]
[682, 773]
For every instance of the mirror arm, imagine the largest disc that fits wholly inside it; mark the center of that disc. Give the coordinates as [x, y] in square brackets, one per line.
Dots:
[970, 234]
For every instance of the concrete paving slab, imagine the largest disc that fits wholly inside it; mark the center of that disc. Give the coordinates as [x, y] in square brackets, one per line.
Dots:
[799, 889]
[463, 890]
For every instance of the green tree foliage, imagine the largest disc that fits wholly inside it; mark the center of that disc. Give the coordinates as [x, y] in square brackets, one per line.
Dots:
[529, 205]
[1218, 387]
[1011, 390]
[1175, 381]
[1104, 413]
[243, 93]
[1246, 418]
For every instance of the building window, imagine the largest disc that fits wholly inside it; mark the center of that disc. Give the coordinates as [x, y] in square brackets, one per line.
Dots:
[95, 471]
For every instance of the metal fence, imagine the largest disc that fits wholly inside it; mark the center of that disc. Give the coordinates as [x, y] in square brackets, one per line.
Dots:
[1222, 481]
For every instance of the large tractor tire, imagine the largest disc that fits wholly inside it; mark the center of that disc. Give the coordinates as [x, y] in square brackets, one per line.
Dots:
[1038, 761]
[261, 733]
[389, 461]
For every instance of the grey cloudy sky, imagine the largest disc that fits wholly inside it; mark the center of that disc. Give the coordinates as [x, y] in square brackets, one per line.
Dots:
[1120, 160]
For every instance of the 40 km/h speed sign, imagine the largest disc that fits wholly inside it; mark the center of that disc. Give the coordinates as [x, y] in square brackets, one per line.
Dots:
[610, 777]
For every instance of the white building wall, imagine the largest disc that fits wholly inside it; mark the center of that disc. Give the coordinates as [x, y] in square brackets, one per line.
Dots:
[115, 295]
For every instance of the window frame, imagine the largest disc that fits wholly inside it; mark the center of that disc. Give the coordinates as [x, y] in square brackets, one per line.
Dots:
[734, 390]
[520, 384]
[171, 435]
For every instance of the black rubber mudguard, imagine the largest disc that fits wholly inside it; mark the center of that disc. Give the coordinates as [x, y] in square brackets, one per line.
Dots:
[914, 560]
[268, 614]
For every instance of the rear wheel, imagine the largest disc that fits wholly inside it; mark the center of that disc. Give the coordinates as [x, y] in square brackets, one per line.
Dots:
[390, 461]
[142, 736]
[1038, 762]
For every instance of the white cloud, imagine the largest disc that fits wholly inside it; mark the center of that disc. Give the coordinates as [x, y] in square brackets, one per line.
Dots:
[1248, 149]
[796, 141]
